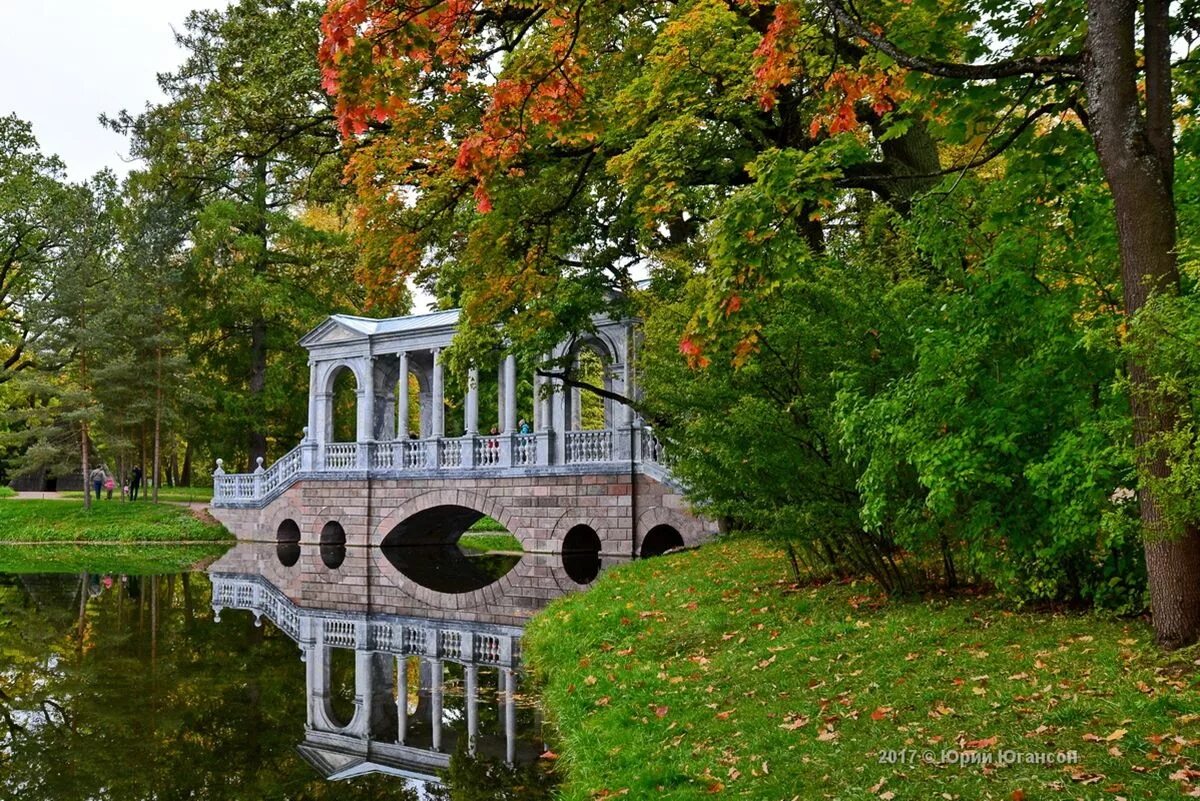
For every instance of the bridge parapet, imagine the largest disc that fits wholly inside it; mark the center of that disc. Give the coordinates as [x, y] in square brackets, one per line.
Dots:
[493, 454]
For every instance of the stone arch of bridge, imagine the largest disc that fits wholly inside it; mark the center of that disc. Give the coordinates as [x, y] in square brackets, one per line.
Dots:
[431, 501]
[690, 529]
[449, 498]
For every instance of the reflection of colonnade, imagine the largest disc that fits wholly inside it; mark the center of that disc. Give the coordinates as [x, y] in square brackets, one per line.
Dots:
[418, 685]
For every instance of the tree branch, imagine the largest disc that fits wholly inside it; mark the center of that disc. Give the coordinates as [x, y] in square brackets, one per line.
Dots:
[1067, 64]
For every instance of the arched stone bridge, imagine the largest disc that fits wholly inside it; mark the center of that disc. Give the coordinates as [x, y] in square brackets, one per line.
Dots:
[583, 470]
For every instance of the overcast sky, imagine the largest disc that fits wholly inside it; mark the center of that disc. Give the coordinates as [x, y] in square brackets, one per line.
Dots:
[63, 62]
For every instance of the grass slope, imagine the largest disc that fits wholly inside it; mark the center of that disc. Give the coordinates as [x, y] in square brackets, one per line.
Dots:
[706, 673]
[107, 521]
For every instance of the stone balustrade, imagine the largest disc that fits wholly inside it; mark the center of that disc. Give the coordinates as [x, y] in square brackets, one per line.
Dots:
[465, 643]
[538, 453]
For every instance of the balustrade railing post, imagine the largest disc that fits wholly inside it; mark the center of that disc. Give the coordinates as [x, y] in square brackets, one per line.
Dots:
[468, 451]
[433, 453]
[308, 456]
[543, 448]
[505, 456]
[363, 455]
[624, 445]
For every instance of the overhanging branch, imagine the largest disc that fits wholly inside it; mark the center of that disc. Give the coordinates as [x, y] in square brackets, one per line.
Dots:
[1067, 64]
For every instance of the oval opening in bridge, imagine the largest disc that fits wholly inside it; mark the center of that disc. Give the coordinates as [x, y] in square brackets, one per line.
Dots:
[287, 543]
[333, 545]
[288, 531]
[581, 554]
[451, 549]
[661, 539]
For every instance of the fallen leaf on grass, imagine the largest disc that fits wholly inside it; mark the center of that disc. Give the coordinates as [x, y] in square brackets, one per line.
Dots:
[881, 712]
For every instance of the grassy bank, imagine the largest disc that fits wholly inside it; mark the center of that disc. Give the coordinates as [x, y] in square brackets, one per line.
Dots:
[111, 558]
[490, 542]
[107, 521]
[707, 672]
[178, 494]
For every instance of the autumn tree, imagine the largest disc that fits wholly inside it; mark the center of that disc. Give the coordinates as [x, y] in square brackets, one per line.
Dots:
[531, 162]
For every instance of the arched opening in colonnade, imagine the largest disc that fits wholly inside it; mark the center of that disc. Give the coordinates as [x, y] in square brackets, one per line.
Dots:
[593, 362]
[343, 406]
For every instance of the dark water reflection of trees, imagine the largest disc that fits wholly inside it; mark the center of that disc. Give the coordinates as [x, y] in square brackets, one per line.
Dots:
[130, 692]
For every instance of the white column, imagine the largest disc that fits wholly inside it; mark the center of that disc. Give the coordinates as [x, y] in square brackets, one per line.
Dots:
[544, 404]
[314, 430]
[510, 715]
[438, 412]
[627, 377]
[435, 698]
[402, 402]
[471, 423]
[510, 394]
[472, 690]
[402, 698]
[366, 403]
[501, 395]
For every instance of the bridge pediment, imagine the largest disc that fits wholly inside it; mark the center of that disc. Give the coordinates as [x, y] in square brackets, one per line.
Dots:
[333, 331]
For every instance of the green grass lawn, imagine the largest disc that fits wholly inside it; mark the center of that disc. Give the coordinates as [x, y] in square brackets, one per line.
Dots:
[107, 521]
[139, 559]
[490, 542]
[7, 491]
[486, 523]
[708, 673]
[186, 494]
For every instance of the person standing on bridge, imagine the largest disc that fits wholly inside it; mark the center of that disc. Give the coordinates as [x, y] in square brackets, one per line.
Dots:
[522, 426]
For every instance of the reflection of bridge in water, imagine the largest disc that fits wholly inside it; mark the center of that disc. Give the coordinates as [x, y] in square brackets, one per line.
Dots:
[411, 476]
[426, 679]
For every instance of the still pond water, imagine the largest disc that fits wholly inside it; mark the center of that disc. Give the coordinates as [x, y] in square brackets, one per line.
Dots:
[270, 675]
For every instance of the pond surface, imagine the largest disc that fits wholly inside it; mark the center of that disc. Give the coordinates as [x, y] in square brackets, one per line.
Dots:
[307, 682]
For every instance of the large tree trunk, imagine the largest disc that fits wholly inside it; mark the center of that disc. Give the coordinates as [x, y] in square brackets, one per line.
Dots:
[158, 403]
[185, 472]
[258, 327]
[1136, 154]
[257, 438]
[87, 468]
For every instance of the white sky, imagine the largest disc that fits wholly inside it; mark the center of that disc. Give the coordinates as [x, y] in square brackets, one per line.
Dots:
[63, 62]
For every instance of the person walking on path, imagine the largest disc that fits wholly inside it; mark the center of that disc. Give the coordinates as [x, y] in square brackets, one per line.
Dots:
[97, 477]
[109, 484]
[135, 481]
